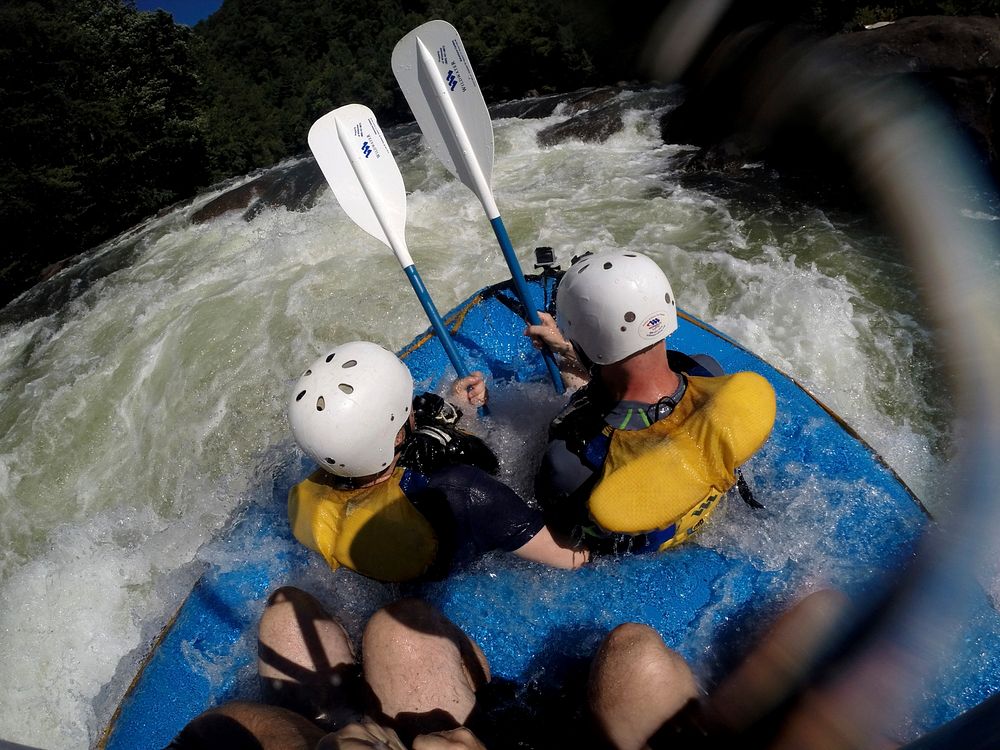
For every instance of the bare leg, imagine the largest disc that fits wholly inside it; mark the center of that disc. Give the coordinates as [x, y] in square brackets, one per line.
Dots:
[305, 660]
[636, 684]
[249, 726]
[761, 681]
[422, 669]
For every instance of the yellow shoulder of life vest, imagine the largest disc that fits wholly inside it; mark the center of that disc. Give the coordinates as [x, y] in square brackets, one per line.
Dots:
[375, 531]
[675, 470]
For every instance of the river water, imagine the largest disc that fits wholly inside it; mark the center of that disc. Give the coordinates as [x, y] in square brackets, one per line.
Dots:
[136, 417]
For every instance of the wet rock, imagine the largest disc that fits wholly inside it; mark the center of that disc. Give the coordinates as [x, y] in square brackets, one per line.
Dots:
[538, 107]
[597, 114]
[958, 59]
[590, 126]
[296, 187]
[951, 60]
[534, 108]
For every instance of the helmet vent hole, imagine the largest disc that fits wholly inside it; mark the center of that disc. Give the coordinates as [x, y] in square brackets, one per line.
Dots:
[299, 397]
[331, 356]
[320, 404]
[348, 389]
[629, 317]
[406, 410]
[667, 299]
[392, 417]
[630, 255]
[623, 329]
[307, 372]
[583, 268]
[607, 266]
[349, 363]
[330, 460]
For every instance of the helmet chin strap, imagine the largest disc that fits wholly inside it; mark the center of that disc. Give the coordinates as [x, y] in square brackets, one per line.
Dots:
[666, 405]
[407, 430]
[586, 361]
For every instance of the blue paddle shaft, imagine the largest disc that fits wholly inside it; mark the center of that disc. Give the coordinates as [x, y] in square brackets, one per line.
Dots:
[436, 323]
[439, 328]
[521, 289]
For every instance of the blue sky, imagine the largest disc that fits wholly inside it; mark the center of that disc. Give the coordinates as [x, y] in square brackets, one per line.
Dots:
[188, 12]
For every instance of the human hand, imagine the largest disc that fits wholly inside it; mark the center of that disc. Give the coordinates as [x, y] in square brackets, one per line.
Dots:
[470, 390]
[364, 736]
[547, 334]
[453, 739]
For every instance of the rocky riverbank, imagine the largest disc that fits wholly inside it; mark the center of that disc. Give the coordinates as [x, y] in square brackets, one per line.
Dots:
[950, 62]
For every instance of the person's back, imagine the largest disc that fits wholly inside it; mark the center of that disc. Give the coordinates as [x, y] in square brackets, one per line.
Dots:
[643, 452]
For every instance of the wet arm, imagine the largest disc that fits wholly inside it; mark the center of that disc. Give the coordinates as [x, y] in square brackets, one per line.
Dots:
[543, 548]
[547, 334]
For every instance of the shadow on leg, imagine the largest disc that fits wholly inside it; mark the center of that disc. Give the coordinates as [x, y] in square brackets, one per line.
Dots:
[422, 670]
[305, 660]
[247, 726]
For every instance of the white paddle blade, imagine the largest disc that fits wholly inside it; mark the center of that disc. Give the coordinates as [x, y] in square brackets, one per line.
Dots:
[354, 157]
[434, 74]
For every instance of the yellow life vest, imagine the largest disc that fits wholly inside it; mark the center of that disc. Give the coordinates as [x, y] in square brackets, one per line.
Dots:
[675, 470]
[375, 531]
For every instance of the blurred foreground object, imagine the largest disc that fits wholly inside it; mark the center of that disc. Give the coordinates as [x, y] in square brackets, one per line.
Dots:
[921, 177]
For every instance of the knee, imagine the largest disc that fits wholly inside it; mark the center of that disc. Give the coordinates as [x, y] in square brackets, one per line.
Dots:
[286, 606]
[638, 651]
[636, 683]
[822, 605]
[295, 629]
[279, 614]
[412, 634]
[630, 636]
[404, 620]
[634, 659]
[290, 595]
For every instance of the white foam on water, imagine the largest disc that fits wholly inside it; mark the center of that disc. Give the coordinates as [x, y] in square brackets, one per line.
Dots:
[97, 591]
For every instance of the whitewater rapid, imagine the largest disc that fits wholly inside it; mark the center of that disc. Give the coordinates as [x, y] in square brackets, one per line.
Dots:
[138, 417]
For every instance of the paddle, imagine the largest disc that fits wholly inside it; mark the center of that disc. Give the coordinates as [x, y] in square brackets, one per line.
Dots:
[355, 160]
[433, 71]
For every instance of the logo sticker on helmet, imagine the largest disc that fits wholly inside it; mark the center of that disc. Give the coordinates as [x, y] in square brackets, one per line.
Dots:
[653, 326]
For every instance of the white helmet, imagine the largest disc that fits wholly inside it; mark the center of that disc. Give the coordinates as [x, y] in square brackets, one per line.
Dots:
[348, 407]
[614, 304]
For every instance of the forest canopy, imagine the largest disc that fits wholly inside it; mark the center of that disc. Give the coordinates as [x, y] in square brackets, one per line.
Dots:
[110, 114]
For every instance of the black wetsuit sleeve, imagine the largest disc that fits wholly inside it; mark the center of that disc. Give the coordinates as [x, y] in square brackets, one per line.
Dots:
[474, 513]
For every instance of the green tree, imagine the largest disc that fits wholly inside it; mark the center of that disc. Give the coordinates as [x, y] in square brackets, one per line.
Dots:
[99, 128]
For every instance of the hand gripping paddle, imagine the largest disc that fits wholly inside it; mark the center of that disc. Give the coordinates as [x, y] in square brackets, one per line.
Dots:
[433, 71]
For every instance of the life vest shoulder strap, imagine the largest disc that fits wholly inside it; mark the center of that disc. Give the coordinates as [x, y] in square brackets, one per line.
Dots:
[581, 422]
